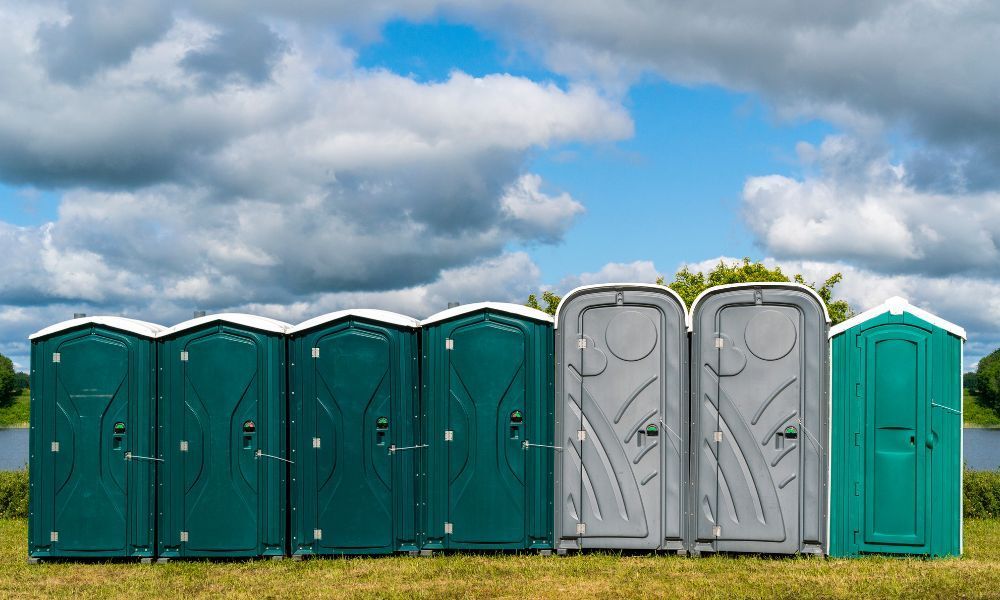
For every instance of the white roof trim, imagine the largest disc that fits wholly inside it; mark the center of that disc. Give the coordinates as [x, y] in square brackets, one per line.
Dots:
[381, 316]
[135, 326]
[253, 321]
[753, 284]
[505, 307]
[898, 306]
[651, 286]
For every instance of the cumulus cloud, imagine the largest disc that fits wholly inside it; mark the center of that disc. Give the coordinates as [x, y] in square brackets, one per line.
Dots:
[639, 271]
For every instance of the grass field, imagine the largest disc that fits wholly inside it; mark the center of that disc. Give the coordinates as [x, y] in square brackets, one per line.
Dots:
[977, 415]
[16, 415]
[976, 575]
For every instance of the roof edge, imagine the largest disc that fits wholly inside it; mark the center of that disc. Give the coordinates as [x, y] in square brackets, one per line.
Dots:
[252, 321]
[897, 305]
[380, 316]
[143, 328]
[753, 284]
[504, 307]
[651, 286]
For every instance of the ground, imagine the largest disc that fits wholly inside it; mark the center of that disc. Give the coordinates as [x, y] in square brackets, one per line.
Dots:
[977, 415]
[16, 415]
[976, 575]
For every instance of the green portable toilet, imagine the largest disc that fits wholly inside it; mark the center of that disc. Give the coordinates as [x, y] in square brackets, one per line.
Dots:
[92, 439]
[487, 411]
[353, 433]
[222, 421]
[897, 433]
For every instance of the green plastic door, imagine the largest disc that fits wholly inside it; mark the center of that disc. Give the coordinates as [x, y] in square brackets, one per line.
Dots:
[892, 454]
[220, 392]
[487, 414]
[92, 386]
[354, 428]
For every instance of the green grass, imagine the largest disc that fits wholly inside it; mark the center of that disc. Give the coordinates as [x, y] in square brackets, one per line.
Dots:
[602, 575]
[16, 415]
[977, 415]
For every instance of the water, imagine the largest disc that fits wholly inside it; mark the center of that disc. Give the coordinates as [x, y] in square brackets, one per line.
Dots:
[13, 449]
[982, 449]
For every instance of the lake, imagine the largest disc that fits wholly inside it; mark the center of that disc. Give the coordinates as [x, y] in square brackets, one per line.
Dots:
[982, 449]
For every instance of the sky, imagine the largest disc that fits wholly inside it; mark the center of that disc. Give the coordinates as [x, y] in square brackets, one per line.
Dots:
[289, 159]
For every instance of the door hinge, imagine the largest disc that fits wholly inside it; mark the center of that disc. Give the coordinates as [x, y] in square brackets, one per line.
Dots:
[184, 446]
[53, 536]
[449, 435]
[184, 536]
[720, 342]
[315, 352]
[317, 534]
[56, 357]
[581, 435]
[581, 528]
[184, 355]
[717, 436]
[449, 528]
[315, 442]
[55, 446]
[449, 344]
[581, 343]
[717, 531]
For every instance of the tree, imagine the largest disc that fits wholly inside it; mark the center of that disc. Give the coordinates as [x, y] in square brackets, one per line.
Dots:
[970, 381]
[8, 381]
[688, 284]
[988, 380]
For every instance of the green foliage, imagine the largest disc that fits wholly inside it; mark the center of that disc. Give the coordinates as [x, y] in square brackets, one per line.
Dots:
[23, 380]
[8, 381]
[988, 380]
[13, 494]
[970, 381]
[551, 302]
[975, 414]
[981, 494]
[17, 414]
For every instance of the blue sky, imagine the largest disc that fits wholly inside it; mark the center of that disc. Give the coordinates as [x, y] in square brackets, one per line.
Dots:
[161, 158]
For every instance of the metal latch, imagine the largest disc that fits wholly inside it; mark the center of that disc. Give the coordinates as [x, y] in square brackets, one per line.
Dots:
[717, 436]
[526, 444]
[315, 352]
[130, 456]
[184, 355]
[719, 342]
[449, 528]
[581, 434]
[184, 446]
[260, 454]
[55, 446]
[317, 534]
[449, 435]
[449, 344]
[581, 343]
[393, 449]
[581, 528]
[56, 357]
[315, 442]
[717, 531]
[184, 536]
[53, 536]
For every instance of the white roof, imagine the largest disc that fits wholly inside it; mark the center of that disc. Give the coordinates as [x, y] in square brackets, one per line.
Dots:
[753, 284]
[505, 307]
[253, 321]
[897, 306]
[651, 286]
[135, 326]
[381, 316]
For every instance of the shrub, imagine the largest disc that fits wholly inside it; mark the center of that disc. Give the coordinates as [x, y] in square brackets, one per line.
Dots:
[14, 494]
[981, 494]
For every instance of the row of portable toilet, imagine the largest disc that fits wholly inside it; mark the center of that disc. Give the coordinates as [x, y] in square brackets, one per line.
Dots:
[633, 427]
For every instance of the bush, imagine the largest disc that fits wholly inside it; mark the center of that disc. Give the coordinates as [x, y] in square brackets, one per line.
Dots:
[8, 381]
[988, 380]
[14, 494]
[981, 494]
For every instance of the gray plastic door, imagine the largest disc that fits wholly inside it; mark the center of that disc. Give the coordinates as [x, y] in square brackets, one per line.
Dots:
[760, 383]
[623, 472]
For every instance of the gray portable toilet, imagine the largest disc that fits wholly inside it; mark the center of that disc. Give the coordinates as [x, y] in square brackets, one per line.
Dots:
[760, 419]
[621, 418]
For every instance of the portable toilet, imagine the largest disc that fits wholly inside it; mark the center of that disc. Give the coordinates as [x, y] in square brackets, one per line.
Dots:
[486, 476]
[897, 433]
[760, 423]
[354, 414]
[222, 412]
[621, 418]
[92, 439]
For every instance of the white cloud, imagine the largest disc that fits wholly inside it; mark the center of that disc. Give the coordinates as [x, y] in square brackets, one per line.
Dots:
[639, 271]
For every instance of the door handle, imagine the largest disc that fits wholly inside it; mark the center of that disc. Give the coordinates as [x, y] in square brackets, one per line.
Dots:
[931, 440]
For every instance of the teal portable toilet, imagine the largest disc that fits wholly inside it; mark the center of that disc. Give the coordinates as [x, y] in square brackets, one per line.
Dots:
[487, 412]
[896, 472]
[222, 423]
[92, 439]
[354, 433]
